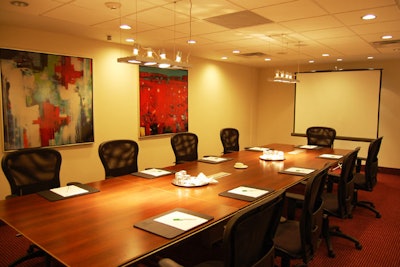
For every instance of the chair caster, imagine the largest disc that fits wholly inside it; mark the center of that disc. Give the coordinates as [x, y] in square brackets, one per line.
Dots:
[331, 254]
[358, 246]
[378, 215]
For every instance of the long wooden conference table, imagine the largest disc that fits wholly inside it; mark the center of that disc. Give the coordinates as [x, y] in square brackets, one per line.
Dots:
[97, 229]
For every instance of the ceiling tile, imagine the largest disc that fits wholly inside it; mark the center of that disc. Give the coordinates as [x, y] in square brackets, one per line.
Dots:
[384, 27]
[292, 10]
[339, 6]
[328, 33]
[311, 24]
[383, 14]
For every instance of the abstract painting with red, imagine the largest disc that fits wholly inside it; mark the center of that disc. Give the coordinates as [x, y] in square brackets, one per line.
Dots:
[163, 101]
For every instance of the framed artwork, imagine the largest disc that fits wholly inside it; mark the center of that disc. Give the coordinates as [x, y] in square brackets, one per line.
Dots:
[163, 101]
[47, 100]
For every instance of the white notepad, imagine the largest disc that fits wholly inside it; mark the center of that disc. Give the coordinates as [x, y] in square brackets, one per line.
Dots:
[155, 172]
[248, 191]
[180, 220]
[309, 146]
[330, 156]
[299, 170]
[257, 148]
[69, 190]
[214, 159]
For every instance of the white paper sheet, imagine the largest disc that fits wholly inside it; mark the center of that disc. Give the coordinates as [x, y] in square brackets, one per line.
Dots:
[309, 146]
[180, 220]
[155, 172]
[299, 170]
[330, 156]
[257, 148]
[69, 190]
[296, 151]
[214, 159]
[248, 191]
[218, 175]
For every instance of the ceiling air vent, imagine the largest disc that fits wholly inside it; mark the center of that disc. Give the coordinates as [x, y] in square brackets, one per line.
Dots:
[239, 19]
[386, 44]
[253, 54]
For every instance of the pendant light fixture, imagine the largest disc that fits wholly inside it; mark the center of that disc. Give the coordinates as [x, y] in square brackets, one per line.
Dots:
[282, 76]
[148, 56]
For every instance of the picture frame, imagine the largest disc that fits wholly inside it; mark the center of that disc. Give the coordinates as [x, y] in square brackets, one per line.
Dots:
[163, 101]
[47, 99]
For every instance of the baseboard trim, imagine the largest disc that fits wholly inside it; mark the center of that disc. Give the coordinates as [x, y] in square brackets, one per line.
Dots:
[392, 171]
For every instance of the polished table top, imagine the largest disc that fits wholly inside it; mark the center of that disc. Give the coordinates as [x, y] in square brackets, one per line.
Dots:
[97, 229]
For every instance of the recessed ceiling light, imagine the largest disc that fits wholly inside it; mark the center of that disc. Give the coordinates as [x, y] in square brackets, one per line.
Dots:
[325, 55]
[191, 41]
[125, 27]
[387, 37]
[236, 51]
[370, 57]
[113, 5]
[368, 17]
[339, 59]
[311, 61]
[267, 59]
[19, 3]
[130, 40]
[224, 57]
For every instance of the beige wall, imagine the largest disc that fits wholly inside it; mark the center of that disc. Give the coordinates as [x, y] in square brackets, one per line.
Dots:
[220, 95]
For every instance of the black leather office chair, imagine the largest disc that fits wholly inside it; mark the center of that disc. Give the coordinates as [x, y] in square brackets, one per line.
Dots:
[248, 236]
[230, 139]
[30, 171]
[366, 181]
[339, 203]
[119, 157]
[299, 239]
[185, 146]
[321, 136]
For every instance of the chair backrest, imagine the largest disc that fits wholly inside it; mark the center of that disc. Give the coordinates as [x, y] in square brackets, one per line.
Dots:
[32, 170]
[312, 213]
[371, 164]
[119, 157]
[248, 236]
[230, 139]
[185, 146]
[321, 136]
[345, 190]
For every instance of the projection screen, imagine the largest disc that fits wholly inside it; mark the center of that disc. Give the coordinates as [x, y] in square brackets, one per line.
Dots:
[347, 101]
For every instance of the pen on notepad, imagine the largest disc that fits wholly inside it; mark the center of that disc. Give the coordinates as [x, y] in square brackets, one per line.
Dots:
[183, 219]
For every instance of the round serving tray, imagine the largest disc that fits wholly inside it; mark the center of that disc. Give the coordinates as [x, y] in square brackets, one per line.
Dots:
[264, 157]
[174, 182]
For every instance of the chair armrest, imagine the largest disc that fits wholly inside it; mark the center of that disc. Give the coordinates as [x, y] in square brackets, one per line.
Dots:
[358, 163]
[293, 201]
[331, 179]
[166, 262]
[294, 196]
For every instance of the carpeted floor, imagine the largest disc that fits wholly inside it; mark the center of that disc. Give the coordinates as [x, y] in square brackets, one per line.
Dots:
[379, 237]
